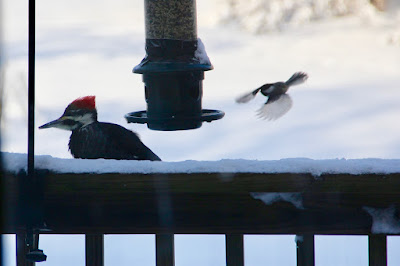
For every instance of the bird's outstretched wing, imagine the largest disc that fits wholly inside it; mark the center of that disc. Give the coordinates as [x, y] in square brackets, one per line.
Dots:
[248, 96]
[275, 107]
[297, 78]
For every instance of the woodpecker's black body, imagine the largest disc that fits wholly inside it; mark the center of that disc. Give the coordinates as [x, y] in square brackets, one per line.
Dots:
[278, 103]
[91, 139]
[108, 141]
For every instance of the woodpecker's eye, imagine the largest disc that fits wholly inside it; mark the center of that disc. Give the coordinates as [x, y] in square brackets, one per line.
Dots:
[74, 112]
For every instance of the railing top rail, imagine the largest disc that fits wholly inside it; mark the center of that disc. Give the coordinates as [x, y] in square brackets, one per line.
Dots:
[206, 203]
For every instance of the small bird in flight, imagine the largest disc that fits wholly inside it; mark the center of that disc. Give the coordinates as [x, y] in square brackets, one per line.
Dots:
[278, 103]
[91, 139]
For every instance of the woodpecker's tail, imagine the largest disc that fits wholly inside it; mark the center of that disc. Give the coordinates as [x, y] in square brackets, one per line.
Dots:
[297, 78]
[149, 155]
[248, 96]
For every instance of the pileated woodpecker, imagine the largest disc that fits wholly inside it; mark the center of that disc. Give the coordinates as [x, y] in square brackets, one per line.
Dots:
[91, 139]
[278, 102]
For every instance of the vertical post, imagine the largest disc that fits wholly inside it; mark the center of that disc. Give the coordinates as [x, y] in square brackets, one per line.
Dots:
[94, 247]
[31, 88]
[305, 250]
[31, 114]
[377, 250]
[31, 200]
[165, 250]
[22, 249]
[234, 249]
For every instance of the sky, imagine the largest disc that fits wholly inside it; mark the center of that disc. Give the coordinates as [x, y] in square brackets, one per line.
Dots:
[348, 108]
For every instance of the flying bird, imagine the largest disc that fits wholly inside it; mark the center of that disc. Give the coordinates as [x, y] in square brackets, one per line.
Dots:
[278, 102]
[91, 139]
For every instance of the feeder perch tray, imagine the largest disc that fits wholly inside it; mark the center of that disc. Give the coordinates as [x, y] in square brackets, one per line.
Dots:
[174, 122]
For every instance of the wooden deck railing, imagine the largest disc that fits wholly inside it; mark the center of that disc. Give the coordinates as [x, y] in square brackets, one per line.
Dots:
[166, 204]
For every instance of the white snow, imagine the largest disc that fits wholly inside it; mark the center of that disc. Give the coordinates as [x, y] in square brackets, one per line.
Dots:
[271, 197]
[336, 113]
[201, 53]
[14, 162]
[260, 16]
[384, 221]
[299, 238]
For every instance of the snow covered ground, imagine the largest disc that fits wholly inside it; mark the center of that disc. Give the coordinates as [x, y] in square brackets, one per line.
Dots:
[349, 107]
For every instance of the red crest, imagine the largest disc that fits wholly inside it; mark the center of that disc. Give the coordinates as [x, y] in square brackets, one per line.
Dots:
[87, 102]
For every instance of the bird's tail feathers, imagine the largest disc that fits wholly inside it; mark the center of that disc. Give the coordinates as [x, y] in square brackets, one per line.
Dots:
[248, 96]
[152, 156]
[149, 155]
[297, 78]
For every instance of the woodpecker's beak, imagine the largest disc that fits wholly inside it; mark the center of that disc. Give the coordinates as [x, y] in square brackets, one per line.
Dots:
[58, 123]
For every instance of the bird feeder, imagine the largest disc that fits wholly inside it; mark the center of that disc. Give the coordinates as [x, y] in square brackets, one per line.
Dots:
[173, 68]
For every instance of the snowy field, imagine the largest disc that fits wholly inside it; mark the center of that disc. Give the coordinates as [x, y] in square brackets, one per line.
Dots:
[349, 107]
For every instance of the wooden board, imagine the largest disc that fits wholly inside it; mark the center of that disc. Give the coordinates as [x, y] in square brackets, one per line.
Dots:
[198, 203]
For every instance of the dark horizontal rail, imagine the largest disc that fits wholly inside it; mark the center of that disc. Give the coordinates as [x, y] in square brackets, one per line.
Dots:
[204, 203]
[115, 183]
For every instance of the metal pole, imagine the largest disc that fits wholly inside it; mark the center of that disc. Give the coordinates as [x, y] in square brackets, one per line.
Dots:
[31, 89]
[22, 249]
[25, 241]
